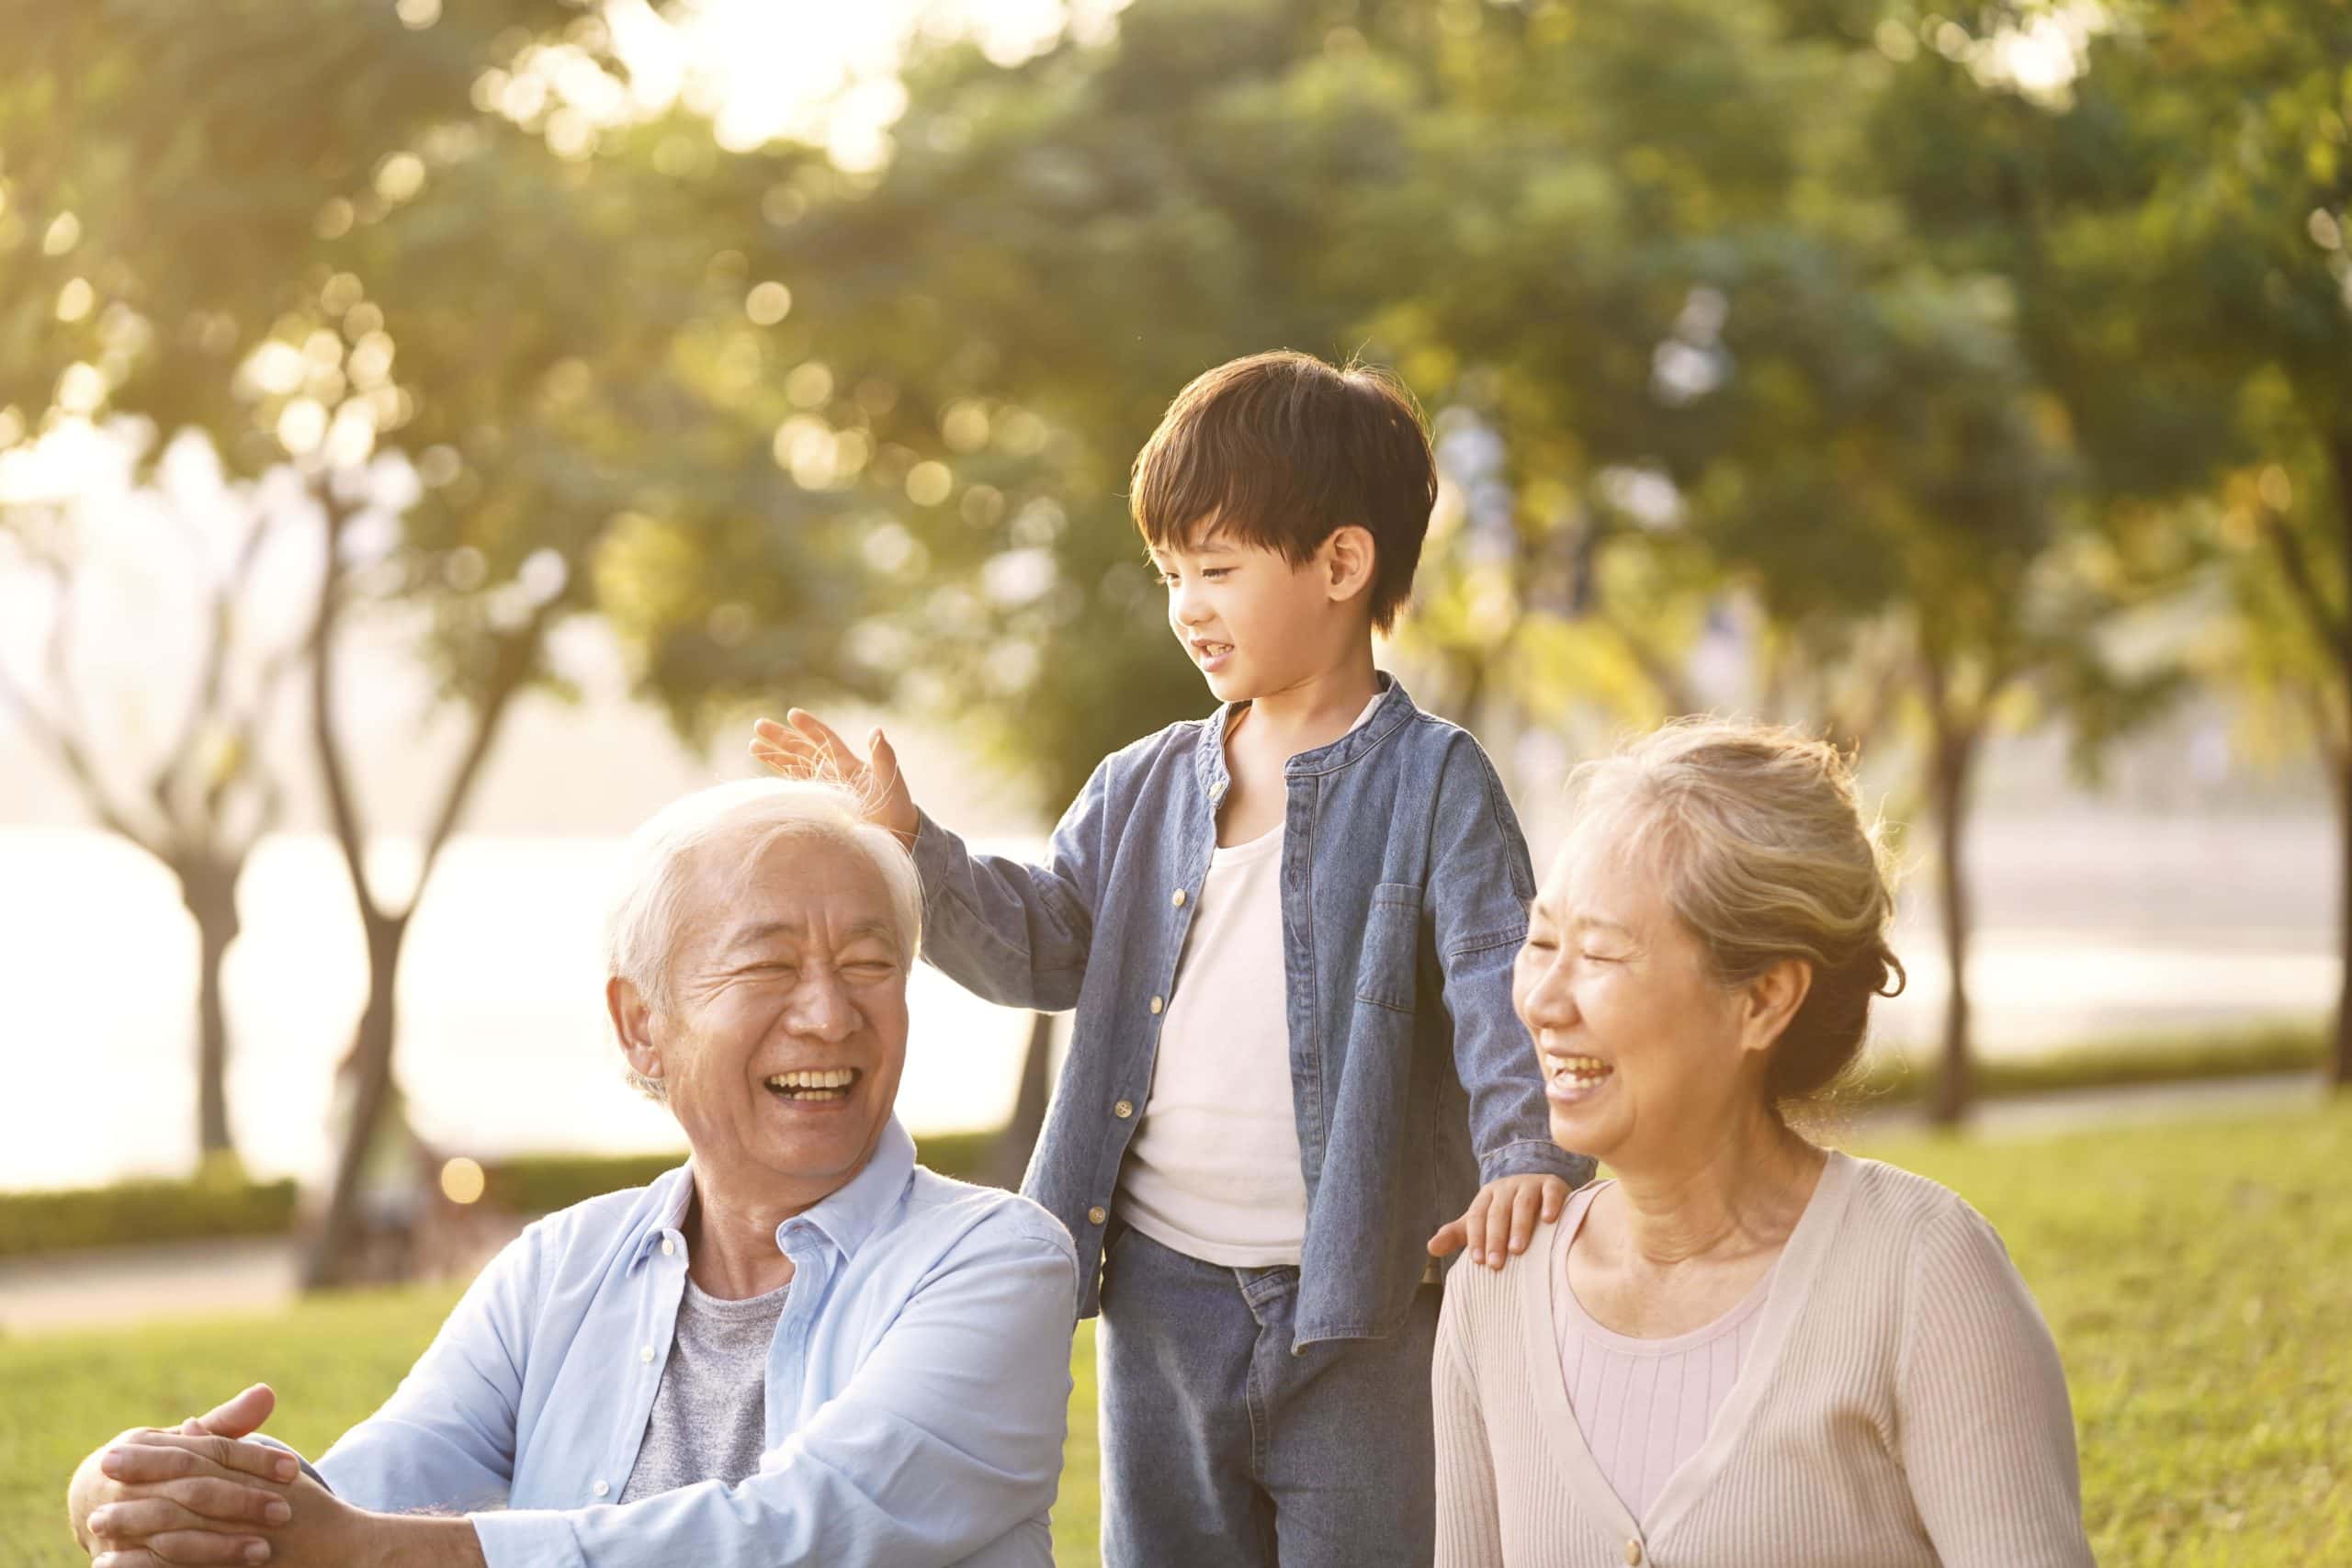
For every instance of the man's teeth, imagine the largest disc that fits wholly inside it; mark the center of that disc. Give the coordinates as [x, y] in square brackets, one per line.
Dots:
[1579, 1069]
[819, 1083]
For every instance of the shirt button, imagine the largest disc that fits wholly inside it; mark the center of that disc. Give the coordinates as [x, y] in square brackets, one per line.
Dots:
[1633, 1552]
[1123, 1109]
[645, 1354]
[1177, 898]
[602, 1488]
[1158, 1002]
[1097, 1214]
[669, 1248]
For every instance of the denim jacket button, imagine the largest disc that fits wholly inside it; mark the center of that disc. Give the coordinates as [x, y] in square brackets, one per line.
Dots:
[1123, 1109]
[1177, 898]
[1097, 1214]
[1158, 1002]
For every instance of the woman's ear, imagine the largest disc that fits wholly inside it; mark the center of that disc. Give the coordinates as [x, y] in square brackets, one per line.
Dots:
[632, 1017]
[1770, 1001]
[1350, 556]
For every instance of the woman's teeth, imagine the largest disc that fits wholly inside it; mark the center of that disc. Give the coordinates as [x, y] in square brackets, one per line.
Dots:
[1580, 1072]
[814, 1083]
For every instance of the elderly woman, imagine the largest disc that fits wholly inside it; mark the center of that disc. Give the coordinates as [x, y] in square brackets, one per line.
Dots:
[799, 1347]
[1743, 1349]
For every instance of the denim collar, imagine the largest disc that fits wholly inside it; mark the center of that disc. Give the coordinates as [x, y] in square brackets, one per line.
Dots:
[845, 1217]
[1208, 752]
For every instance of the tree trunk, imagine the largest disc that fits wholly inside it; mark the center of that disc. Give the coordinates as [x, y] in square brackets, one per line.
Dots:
[334, 1253]
[2339, 1062]
[210, 891]
[1950, 761]
[1009, 1152]
[2339, 1067]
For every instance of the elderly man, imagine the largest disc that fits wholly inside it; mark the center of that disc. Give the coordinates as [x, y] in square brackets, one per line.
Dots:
[799, 1347]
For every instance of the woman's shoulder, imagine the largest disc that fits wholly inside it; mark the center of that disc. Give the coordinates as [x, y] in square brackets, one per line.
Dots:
[1920, 1223]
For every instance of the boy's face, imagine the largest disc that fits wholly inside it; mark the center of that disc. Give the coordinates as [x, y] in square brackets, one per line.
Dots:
[1251, 622]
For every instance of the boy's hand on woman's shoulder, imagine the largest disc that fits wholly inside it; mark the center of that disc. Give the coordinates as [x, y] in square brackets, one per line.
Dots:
[1501, 1219]
[807, 747]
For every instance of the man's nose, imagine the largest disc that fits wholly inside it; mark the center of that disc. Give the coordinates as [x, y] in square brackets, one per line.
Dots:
[822, 1007]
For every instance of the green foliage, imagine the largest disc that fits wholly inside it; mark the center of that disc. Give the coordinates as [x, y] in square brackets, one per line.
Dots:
[2105, 1064]
[143, 1214]
[2193, 1274]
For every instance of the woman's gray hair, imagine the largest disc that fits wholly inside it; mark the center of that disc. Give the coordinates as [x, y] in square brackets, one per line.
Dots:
[743, 818]
[1759, 838]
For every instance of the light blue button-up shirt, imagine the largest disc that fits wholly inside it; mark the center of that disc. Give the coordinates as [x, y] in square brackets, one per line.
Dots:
[917, 1389]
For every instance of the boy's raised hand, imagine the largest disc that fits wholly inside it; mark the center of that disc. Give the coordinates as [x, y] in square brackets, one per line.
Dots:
[807, 745]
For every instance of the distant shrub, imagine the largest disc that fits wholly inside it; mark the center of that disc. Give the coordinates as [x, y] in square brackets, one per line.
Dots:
[139, 1213]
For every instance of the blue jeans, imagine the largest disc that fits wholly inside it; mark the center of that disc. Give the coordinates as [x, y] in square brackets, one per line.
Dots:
[1221, 1446]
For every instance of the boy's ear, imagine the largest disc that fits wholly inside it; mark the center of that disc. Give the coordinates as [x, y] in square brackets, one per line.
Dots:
[1348, 558]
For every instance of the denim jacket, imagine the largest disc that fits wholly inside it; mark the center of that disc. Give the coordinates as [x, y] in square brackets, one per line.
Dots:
[1405, 884]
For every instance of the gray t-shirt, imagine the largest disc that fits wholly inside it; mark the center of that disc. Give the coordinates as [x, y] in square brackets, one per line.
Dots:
[709, 1420]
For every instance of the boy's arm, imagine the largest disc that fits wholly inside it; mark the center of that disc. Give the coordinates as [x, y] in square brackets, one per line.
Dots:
[1480, 884]
[1015, 933]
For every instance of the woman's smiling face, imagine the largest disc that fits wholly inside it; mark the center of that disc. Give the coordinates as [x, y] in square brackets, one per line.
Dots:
[1640, 1047]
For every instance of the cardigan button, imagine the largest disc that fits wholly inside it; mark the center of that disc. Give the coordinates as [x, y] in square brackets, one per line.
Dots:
[1633, 1552]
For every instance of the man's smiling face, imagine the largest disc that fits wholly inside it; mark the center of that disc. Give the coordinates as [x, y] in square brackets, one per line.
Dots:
[787, 1029]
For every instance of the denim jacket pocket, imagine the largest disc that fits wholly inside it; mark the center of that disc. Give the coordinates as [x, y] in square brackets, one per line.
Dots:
[1387, 968]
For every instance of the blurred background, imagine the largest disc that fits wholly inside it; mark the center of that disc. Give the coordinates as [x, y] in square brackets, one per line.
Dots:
[430, 432]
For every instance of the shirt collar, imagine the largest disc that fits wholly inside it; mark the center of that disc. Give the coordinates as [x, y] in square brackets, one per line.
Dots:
[845, 1217]
[1394, 708]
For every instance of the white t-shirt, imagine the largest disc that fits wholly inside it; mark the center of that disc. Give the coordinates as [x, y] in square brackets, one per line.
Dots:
[1213, 1170]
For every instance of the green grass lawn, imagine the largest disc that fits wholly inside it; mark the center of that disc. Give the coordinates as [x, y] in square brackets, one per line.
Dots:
[2198, 1279]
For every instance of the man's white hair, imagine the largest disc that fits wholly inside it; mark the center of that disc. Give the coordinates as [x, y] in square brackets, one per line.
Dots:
[742, 819]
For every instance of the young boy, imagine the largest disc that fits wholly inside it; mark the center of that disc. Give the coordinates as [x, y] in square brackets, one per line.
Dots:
[1288, 931]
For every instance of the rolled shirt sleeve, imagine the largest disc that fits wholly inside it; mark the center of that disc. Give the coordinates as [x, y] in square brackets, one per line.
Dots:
[1480, 884]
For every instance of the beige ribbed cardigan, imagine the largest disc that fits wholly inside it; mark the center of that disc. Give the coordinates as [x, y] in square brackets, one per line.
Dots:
[1902, 1405]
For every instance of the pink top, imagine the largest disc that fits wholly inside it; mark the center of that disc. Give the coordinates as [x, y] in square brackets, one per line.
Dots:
[1643, 1404]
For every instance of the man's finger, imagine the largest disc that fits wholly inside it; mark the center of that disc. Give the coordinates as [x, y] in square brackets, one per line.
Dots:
[195, 1549]
[135, 1520]
[229, 1502]
[137, 1556]
[238, 1417]
[168, 1456]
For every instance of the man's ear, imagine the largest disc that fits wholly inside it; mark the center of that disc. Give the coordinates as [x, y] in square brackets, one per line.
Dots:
[1350, 556]
[632, 1017]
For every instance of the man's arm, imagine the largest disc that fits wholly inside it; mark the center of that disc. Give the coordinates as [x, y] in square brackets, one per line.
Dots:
[947, 1439]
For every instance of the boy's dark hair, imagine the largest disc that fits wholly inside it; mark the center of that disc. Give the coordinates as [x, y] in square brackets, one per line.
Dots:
[1283, 450]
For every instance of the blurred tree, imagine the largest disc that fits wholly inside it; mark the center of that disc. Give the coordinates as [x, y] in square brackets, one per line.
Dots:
[199, 802]
[2172, 216]
[441, 268]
